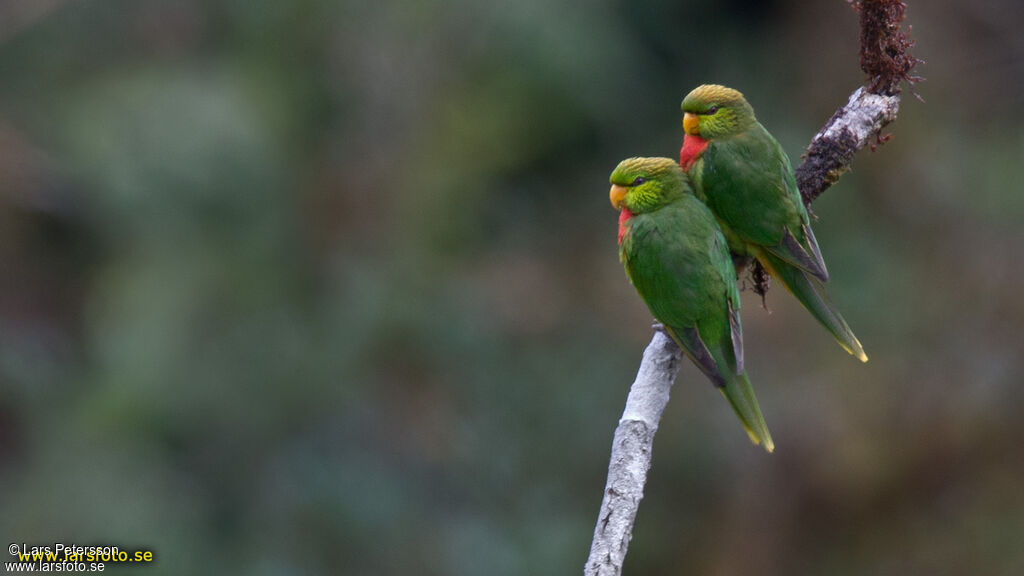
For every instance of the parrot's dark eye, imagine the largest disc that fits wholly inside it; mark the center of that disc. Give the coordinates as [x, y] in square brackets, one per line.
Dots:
[639, 180]
[712, 110]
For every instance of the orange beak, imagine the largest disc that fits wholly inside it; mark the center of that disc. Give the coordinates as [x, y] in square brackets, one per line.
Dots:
[617, 195]
[691, 124]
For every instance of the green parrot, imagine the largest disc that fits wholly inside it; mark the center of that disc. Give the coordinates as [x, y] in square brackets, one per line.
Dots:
[745, 177]
[677, 259]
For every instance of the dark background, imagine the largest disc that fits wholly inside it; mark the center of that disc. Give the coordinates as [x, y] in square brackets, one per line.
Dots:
[320, 287]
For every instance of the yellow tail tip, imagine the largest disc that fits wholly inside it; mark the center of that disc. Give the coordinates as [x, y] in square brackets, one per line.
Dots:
[768, 445]
[857, 352]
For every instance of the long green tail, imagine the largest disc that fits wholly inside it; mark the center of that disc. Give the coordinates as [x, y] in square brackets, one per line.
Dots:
[740, 395]
[718, 363]
[812, 295]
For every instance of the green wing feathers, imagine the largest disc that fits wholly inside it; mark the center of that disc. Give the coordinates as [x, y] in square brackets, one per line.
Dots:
[806, 255]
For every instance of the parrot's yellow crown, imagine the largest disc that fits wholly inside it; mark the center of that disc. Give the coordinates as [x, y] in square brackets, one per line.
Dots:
[716, 93]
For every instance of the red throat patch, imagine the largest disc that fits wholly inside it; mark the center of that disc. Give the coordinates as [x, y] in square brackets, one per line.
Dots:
[624, 217]
[693, 147]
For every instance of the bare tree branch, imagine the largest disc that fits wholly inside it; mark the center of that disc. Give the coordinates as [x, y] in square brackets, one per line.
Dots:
[887, 62]
[631, 455]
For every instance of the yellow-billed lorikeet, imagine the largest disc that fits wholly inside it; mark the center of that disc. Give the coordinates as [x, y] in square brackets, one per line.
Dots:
[677, 258]
[746, 179]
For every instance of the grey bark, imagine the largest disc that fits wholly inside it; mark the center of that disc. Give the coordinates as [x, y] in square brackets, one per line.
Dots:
[631, 456]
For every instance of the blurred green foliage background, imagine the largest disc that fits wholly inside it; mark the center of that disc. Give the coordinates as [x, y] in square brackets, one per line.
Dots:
[331, 287]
